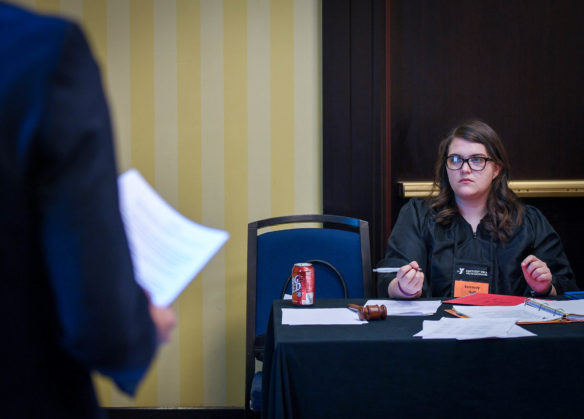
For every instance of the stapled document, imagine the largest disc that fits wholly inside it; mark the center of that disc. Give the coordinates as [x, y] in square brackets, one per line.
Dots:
[168, 250]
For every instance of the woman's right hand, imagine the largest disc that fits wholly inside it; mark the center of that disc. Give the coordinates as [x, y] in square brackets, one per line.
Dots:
[408, 282]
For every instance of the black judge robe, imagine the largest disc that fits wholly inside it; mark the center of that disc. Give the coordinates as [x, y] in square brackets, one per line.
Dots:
[442, 250]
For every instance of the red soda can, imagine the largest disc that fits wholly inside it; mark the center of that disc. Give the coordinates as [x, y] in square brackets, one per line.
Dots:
[303, 284]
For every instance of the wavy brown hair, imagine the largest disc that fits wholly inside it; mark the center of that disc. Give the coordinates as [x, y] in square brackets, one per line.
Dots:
[504, 211]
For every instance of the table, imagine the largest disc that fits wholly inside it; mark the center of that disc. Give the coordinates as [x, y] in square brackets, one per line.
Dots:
[381, 369]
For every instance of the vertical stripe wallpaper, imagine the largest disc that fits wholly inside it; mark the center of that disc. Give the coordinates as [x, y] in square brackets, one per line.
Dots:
[218, 104]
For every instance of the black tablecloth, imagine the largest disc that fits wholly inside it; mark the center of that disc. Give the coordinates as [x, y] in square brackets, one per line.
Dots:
[381, 369]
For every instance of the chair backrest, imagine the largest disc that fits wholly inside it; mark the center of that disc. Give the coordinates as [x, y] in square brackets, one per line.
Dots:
[343, 242]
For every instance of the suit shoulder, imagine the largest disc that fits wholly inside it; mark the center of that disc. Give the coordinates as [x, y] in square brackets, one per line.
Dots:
[25, 30]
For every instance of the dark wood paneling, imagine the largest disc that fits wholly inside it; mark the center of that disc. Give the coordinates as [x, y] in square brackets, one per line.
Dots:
[336, 65]
[516, 64]
[354, 112]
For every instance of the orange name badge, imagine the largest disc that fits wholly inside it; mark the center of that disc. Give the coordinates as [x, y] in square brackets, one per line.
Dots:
[462, 288]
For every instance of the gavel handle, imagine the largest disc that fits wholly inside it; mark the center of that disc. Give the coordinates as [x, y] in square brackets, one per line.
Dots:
[355, 307]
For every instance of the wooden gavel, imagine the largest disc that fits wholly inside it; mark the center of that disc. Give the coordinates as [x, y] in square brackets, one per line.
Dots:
[373, 312]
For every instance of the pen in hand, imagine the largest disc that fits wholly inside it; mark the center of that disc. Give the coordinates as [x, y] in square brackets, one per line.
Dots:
[390, 270]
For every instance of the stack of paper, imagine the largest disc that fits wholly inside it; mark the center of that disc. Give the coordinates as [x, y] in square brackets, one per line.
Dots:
[313, 316]
[407, 307]
[532, 311]
[464, 329]
[167, 249]
[518, 313]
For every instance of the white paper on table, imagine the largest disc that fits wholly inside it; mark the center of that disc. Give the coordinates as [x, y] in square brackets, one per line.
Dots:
[315, 316]
[515, 331]
[168, 250]
[408, 307]
[519, 313]
[464, 329]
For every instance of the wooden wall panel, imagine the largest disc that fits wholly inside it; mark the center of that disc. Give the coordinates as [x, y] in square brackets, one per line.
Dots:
[516, 64]
[354, 113]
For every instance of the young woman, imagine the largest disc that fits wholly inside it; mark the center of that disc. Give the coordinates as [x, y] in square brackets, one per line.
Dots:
[474, 235]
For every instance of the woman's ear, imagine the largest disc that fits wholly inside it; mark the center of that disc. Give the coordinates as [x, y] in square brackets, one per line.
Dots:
[496, 171]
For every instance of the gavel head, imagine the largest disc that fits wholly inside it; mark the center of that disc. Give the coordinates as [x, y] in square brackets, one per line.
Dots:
[374, 312]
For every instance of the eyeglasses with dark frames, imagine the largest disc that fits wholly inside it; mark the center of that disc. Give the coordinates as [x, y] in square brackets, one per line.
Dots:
[477, 163]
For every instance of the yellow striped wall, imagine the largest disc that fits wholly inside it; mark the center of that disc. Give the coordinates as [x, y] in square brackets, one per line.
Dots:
[218, 104]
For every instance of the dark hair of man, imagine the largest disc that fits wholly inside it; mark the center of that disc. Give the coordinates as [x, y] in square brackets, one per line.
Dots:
[504, 211]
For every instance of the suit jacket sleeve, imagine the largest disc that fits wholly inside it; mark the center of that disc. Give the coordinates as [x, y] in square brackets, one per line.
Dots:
[103, 312]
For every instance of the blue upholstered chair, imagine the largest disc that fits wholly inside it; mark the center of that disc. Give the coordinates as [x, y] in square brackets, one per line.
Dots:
[274, 246]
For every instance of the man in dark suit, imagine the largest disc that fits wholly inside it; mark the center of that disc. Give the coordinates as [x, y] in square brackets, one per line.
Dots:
[69, 298]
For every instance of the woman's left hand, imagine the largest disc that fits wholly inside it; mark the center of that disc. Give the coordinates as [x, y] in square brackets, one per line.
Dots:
[537, 274]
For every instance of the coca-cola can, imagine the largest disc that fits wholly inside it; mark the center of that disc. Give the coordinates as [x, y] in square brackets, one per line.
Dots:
[303, 284]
